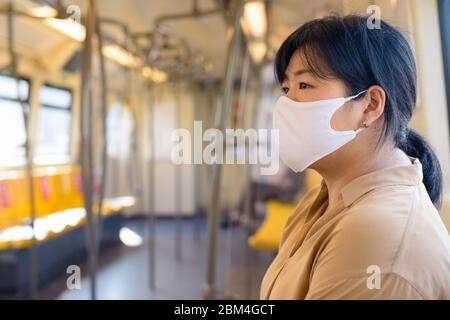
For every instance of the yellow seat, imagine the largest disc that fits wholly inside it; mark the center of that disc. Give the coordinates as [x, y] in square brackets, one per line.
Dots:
[58, 200]
[268, 236]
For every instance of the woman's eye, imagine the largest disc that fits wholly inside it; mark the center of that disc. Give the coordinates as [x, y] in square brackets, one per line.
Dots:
[285, 89]
[303, 85]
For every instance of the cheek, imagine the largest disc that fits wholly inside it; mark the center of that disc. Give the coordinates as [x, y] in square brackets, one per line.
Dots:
[345, 118]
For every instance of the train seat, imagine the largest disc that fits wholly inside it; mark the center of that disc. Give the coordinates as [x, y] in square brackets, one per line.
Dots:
[268, 236]
[59, 205]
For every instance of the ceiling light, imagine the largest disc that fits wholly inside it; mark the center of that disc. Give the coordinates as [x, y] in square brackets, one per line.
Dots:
[254, 21]
[154, 74]
[120, 55]
[42, 11]
[35, 9]
[160, 76]
[68, 27]
[257, 51]
[147, 72]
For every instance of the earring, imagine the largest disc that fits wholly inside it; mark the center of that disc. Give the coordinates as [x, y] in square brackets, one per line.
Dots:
[365, 125]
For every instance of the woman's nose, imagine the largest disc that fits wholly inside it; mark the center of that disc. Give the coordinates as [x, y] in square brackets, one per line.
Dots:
[291, 95]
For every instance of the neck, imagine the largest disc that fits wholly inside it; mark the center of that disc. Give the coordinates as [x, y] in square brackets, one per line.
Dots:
[339, 174]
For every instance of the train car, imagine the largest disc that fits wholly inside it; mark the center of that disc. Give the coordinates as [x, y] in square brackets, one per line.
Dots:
[221, 149]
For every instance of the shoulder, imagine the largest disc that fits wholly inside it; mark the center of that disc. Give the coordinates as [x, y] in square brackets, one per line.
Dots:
[385, 200]
[390, 218]
[382, 213]
[388, 230]
[368, 233]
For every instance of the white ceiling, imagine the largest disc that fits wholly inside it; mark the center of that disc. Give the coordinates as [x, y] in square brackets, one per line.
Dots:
[205, 34]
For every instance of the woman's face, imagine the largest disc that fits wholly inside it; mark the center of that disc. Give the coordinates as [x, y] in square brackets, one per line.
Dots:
[302, 85]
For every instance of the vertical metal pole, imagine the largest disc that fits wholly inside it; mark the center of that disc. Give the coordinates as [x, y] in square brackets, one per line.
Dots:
[136, 162]
[151, 191]
[243, 88]
[86, 144]
[228, 295]
[104, 151]
[29, 153]
[242, 118]
[248, 204]
[133, 164]
[178, 179]
[233, 52]
[239, 124]
[246, 216]
[193, 89]
[211, 102]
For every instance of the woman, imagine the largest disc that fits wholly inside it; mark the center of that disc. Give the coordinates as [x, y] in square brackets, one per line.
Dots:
[372, 229]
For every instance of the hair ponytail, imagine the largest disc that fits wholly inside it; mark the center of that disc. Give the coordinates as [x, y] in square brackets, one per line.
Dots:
[415, 146]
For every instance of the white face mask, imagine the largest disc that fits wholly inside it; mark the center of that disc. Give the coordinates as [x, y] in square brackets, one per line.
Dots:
[305, 132]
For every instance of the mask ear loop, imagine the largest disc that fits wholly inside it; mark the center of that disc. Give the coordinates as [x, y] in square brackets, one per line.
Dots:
[360, 129]
[355, 96]
[351, 98]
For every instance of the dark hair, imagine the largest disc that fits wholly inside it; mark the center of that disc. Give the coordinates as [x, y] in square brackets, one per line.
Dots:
[347, 49]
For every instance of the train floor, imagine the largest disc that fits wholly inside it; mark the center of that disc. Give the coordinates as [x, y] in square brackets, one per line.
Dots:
[124, 271]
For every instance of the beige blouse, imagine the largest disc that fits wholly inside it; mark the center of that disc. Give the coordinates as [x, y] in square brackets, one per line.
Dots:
[384, 239]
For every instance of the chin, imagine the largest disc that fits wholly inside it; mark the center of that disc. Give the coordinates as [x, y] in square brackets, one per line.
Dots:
[321, 164]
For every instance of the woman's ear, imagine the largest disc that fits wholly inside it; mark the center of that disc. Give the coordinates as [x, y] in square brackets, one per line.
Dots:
[375, 98]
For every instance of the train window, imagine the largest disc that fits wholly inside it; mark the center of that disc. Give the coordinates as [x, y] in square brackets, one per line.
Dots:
[12, 125]
[120, 130]
[53, 125]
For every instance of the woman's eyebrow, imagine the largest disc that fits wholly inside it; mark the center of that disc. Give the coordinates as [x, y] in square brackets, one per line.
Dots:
[299, 72]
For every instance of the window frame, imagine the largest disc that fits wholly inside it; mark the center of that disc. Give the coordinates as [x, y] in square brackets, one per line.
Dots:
[27, 102]
[21, 78]
[54, 107]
